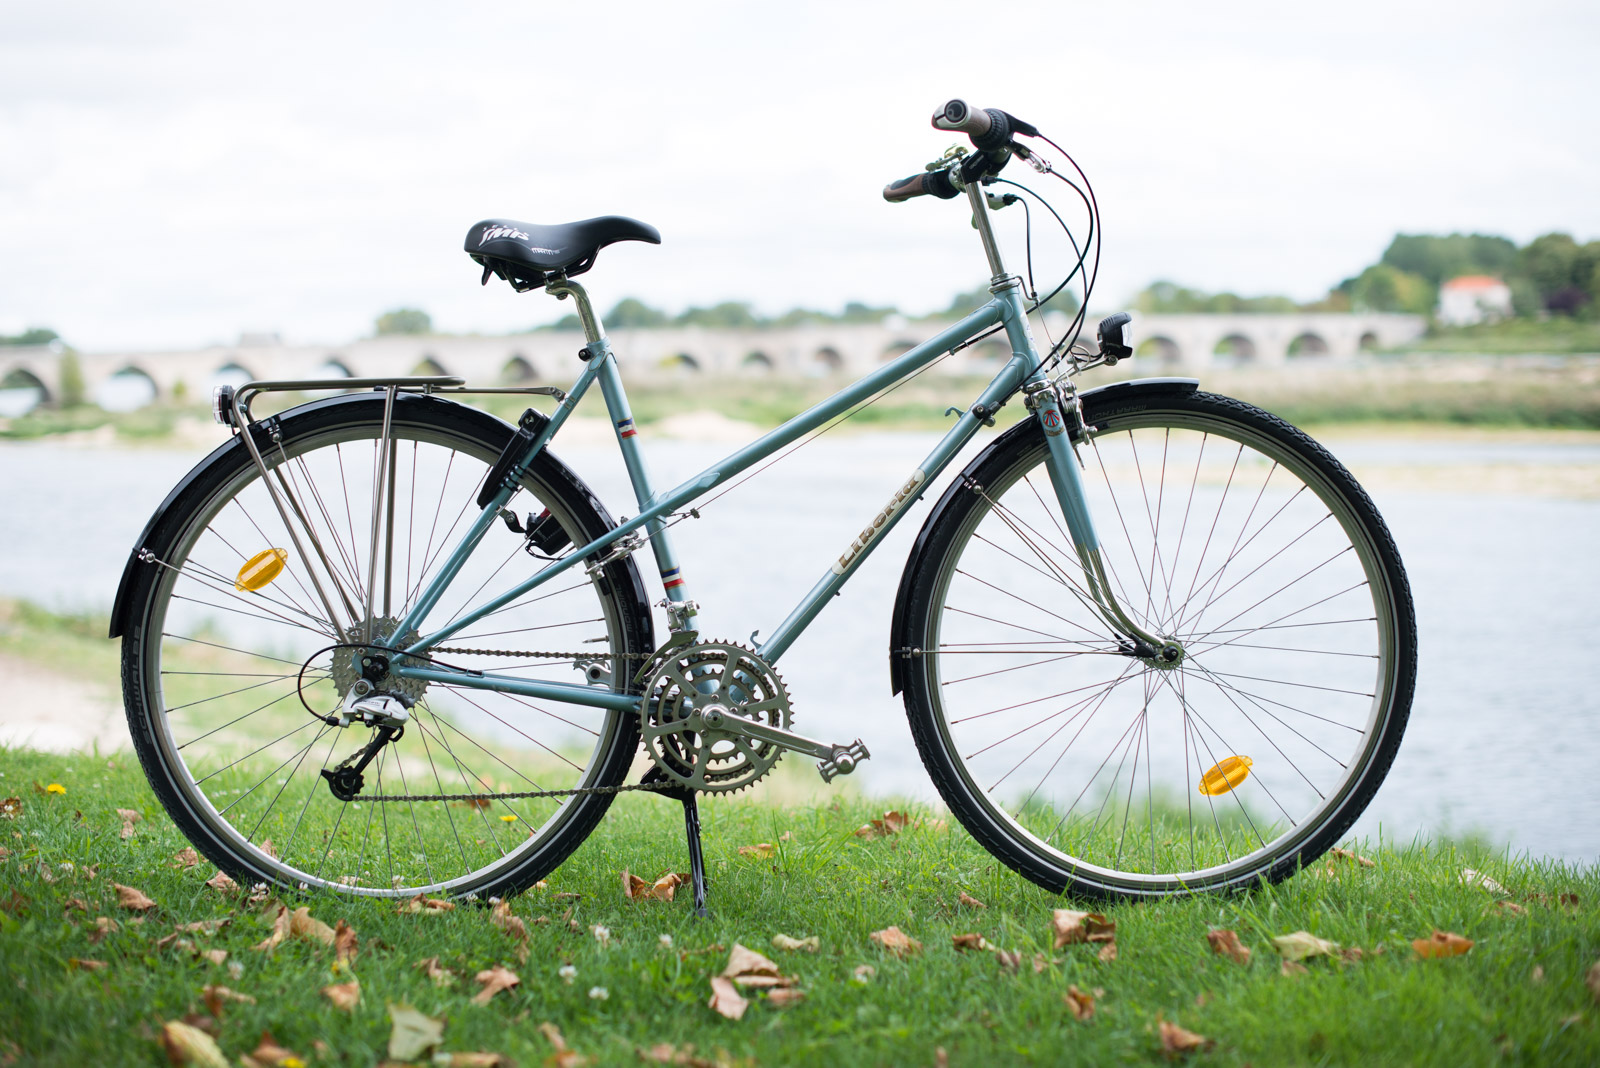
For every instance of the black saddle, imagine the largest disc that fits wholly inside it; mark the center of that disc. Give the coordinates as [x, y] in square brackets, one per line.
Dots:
[525, 254]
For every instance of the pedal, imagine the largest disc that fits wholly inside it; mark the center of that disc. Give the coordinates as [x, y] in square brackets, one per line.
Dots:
[843, 761]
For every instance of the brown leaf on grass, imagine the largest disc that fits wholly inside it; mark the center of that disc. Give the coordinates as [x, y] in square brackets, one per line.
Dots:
[567, 895]
[1441, 944]
[1108, 952]
[102, 927]
[809, 945]
[413, 1034]
[1552, 900]
[495, 1060]
[185, 858]
[269, 849]
[1477, 878]
[892, 823]
[971, 942]
[280, 931]
[1078, 1003]
[268, 1054]
[1346, 855]
[746, 967]
[431, 906]
[896, 941]
[129, 818]
[222, 883]
[562, 1057]
[1226, 943]
[76, 964]
[1537, 975]
[131, 899]
[345, 944]
[1175, 1039]
[968, 901]
[1010, 960]
[1592, 980]
[863, 973]
[440, 975]
[1303, 944]
[726, 999]
[11, 808]
[1352, 955]
[500, 916]
[186, 1044]
[1510, 908]
[663, 889]
[74, 903]
[784, 996]
[760, 851]
[1041, 962]
[343, 995]
[217, 996]
[1292, 969]
[304, 925]
[493, 980]
[1072, 928]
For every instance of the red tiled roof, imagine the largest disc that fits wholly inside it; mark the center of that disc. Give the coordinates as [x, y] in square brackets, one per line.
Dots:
[1474, 281]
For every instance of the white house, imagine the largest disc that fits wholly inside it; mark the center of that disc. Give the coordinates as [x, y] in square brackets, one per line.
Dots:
[1473, 298]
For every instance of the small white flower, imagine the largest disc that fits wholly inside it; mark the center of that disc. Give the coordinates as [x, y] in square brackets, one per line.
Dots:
[666, 941]
[598, 993]
[567, 973]
[303, 886]
[235, 969]
[259, 888]
[602, 934]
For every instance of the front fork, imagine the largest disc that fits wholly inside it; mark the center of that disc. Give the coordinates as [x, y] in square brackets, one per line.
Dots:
[1061, 418]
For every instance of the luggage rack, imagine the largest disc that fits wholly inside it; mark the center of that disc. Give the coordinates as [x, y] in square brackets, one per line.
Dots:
[230, 405]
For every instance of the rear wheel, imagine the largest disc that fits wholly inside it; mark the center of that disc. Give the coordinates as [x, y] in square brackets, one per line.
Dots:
[225, 686]
[1090, 768]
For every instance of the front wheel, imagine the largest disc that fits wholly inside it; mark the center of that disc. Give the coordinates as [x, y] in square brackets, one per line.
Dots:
[1092, 769]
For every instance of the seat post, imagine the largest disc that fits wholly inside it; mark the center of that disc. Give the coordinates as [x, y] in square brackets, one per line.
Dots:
[561, 288]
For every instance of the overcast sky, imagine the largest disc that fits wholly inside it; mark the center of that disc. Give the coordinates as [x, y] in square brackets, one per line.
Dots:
[176, 173]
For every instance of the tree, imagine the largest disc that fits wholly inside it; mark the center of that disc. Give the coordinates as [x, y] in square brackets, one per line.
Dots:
[1560, 270]
[1382, 288]
[1439, 259]
[404, 321]
[37, 335]
[73, 389]
[730, 314]
[633, 313]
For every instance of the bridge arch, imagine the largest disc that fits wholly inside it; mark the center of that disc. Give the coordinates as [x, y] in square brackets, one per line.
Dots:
[131, 387]
[232, 373]
[332, 367]
[519, 369]
[682, 363]
[429, 365]
[756, 363]
[1235, 348]
[1308, 343]
[826, 361]
[21, 391]
[895, 349]
[1161, 348]
[1369, 342]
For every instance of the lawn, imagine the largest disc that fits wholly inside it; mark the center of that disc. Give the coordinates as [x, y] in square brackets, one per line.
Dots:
[88, 991]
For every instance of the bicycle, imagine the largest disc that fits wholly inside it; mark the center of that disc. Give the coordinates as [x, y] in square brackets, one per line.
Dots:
[1140, 581]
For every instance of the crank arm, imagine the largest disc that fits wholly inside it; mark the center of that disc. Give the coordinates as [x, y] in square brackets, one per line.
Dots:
[832, 760]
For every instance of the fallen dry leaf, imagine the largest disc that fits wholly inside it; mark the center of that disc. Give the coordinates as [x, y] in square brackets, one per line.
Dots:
[1072, 928]
[429, 905]
[74, 903]
[809, 945]
[495, 1060]
[304, 925]
[1303, 944]
[1078, 1003]
[280, 931]
[413, 1034]
[1226, 943]
[1510, 908]
[1476, 878]
[968, 901]
[1537, 975]
[500, 915]
[1352, 955]
[345, 945]
[896, 941]
[1175, 1039]
[746, 967]
[208, 927]
[1291, 969]
[663, 889]
[1010, 960]
[784, 996]
[493, 980]
[1108, 952]
[217, 996]
[131, 899]
[268, 1054]
[864, 973]
[185, 858]
[971, 942]
[102, 927]
[186, 1044]
[343, 995]
[1345, 854]
[269, 849]
[892, 823]
[223, 883]
[86, 965]
[1592, 980]
[761, 850]
[431, 968]
[129, 818]
[1441, 944]
[726, 999]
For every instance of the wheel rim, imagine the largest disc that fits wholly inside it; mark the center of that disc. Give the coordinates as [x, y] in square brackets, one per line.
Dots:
[1216, 535]
[248, 769]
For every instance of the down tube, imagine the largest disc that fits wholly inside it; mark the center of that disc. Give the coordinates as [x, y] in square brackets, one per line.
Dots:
[1005, 383]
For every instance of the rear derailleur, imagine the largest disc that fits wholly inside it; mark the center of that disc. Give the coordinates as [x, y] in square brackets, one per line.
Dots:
[384, 712]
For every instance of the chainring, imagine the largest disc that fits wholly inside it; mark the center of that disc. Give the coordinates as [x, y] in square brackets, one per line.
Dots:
[685, 695]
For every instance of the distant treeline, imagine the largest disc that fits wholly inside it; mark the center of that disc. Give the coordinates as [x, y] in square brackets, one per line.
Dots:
[36, 336]
[1551, 275]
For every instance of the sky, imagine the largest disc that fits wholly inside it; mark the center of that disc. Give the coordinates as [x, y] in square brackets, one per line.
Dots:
[173, 174]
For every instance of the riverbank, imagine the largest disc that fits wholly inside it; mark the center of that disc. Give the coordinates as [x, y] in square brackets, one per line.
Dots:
[112, 936]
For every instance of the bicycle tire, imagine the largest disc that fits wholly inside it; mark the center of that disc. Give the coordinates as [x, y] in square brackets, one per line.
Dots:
[994, 525]
[420, 843]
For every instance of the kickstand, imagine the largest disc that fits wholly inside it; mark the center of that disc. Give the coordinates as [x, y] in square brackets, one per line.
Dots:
[691, 830]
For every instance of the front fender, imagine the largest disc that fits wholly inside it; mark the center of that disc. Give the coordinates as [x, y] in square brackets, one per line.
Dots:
[900, 638]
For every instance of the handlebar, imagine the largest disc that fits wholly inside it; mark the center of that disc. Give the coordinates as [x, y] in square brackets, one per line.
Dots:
[990, 131]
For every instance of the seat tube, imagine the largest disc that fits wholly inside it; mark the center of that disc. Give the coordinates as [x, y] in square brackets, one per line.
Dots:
[633, 459]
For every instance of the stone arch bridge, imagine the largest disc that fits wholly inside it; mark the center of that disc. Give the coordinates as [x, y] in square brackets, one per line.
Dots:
[1164, 343]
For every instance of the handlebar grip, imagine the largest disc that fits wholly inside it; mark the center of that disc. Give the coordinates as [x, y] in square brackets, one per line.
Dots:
[929, 183]
[957, 116]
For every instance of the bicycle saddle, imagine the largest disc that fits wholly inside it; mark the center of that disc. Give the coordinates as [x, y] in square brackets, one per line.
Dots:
[525, 253]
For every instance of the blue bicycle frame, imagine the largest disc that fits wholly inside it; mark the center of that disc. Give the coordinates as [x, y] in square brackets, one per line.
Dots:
[1023, 369]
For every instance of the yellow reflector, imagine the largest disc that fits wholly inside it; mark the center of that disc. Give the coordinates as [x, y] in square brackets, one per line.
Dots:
[261, 569]
[1227, 774]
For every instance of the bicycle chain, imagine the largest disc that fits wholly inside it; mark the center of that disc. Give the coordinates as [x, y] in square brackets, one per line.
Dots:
[650, 787]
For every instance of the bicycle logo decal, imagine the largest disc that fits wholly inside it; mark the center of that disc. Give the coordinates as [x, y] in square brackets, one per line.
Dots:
[1052, 422]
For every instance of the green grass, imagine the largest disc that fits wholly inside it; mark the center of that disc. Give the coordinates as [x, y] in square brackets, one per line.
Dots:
[1391, 1008]
[1556, 335]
